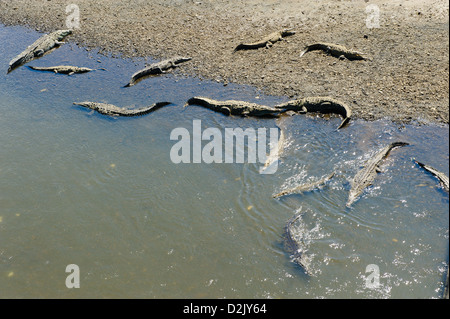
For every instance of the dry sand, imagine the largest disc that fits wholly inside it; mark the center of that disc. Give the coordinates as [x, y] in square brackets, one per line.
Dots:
[406, 79]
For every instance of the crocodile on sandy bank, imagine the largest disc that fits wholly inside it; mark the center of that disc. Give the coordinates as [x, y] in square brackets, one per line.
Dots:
[232, 107]
[335, 50]
[365, 177]
[443, 179]
[292, 245]
[266, 42]
[64, 69]
[319, 104]
[157, 68]
[112, 110]
[306, 187]
[39, 48]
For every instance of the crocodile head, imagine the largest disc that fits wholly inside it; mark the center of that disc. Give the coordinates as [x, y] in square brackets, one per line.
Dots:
[351, 199]
[64, 33]
[89, 105]
[181, 59]
[359, 56]
[287, 32]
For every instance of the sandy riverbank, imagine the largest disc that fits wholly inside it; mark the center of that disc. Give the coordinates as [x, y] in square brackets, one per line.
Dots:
[406, 78]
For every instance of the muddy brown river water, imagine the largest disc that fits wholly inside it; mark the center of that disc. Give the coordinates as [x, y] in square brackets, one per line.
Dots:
[80, 188]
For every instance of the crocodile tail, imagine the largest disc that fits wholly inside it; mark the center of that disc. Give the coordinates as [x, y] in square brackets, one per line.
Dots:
[239, 47]
[418, 163]
[397, 144]
[159, 105]
[344, 123]
[394, 145]
[148, 109]
[330, 176]
[306, 49]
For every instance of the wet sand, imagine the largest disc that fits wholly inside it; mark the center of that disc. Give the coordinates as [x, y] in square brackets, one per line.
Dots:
[406, 78]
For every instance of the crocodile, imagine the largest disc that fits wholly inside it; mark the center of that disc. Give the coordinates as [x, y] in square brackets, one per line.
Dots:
[335, 50]
[306, 187]
[443, 179]
[64, 69]
[39, 48]
[232, 107]
[266, 42]
[365, 176]
[112, 110]
[157, 68]
[292, 245]
[319, 104]
[275, 153]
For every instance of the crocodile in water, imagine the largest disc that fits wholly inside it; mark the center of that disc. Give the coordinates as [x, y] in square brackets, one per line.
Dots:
[64, 69]
[439, 175]
[292, 245]
[365, 177]
[443, 179]
[112, 110]
[275, 153]
[39, 48]
[306, 187]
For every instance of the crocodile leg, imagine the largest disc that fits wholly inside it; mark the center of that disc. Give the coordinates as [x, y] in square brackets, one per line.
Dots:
[39, 53]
